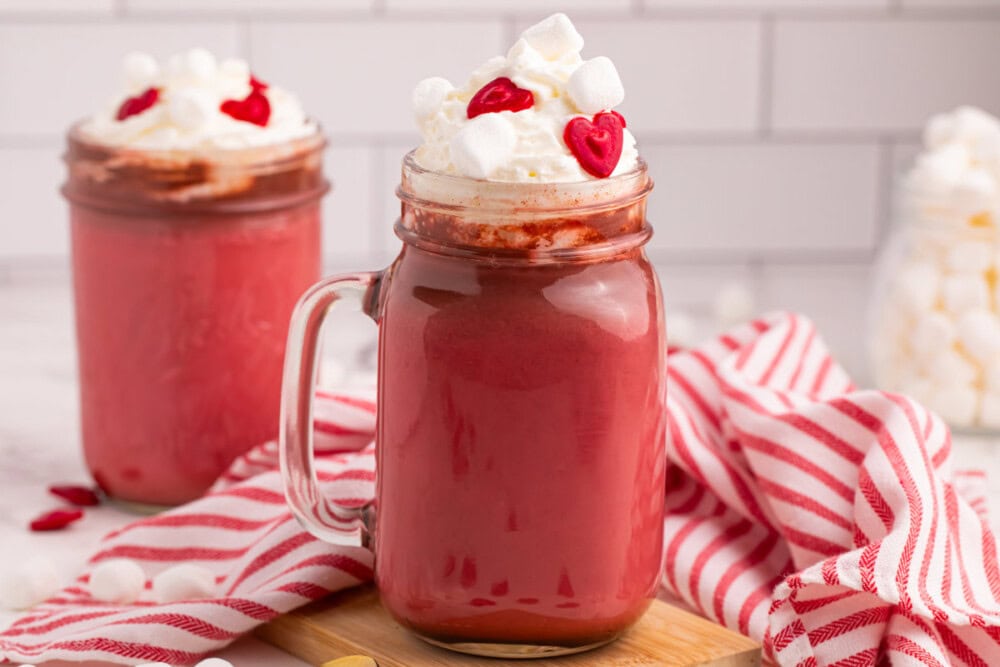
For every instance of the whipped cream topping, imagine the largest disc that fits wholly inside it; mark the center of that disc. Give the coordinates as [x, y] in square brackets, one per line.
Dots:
[956, 179]
[196, 102]
[527, 144]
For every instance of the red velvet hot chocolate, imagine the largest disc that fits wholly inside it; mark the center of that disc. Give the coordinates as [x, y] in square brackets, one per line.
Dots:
[521, 407]
[195, 227]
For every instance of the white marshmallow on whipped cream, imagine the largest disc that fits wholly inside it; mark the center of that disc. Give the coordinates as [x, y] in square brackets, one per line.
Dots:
[190, 92]
[524, 145]
[938, 337]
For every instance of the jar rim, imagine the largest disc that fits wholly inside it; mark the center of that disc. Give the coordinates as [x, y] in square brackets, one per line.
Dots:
[436, 191]
[184, 181]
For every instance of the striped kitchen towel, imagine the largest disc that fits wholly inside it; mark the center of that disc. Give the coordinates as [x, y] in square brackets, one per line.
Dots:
[823, 520]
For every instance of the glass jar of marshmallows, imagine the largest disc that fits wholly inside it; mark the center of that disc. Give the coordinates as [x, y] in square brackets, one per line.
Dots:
[936, 306]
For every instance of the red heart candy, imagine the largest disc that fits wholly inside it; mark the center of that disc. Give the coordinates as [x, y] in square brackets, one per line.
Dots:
[136, 105]
[56, 520]
[500, 95]
[257, 84]
[597, 144]
[80, 496]
[254, 108]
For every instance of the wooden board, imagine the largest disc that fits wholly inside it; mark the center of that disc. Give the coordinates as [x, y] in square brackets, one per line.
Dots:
[354, 622]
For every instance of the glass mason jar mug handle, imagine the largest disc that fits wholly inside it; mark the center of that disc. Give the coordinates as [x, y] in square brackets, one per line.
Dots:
[329, 522]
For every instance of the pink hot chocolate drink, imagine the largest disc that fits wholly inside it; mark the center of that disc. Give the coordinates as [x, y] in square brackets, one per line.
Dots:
[521, 402]
[195, 227]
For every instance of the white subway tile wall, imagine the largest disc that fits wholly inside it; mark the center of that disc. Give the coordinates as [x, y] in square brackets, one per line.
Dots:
[773, 128]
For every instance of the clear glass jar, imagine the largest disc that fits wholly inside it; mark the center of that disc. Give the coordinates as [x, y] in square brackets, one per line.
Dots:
[935, 320]
[521, 414]
[186, 268]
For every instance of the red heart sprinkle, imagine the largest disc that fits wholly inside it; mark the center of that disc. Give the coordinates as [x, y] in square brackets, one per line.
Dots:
[136, 105]
[56, 519]
[254, 108]
[257, 84]
[596, 145]
[80, 496]
[500, 95]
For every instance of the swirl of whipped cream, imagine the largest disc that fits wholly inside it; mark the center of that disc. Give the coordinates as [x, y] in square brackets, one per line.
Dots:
[527, 145]
[187, 115]
[956, 179]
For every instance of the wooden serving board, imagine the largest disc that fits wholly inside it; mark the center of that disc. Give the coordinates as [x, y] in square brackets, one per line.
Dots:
[354, 622]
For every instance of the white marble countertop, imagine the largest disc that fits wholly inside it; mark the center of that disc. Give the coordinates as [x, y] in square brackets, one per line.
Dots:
[39, 443]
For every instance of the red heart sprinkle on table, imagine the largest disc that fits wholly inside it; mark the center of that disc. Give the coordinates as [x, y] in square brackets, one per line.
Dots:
[80, 496]
[257, 84]
[133, 106]
[254, 108]
[597, 144]
[56, 519]
[500, 94]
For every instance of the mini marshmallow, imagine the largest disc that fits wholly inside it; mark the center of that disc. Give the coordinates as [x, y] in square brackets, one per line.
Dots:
[183, 582]
[957, 404]
[33, 581]
[991, 375]
[235, 68]
[916, 286]
[975, 191]
[119, 580]
[214, 662]
[933, 332]
[522, 56]
[986, 149]
[972, 123]
[940, 129]
[190, 109]
[554, 37]
[949, 367]
[964, 292]
[484, 144]
[969, 256]
[979, 333]
[733, 304]
[429, 94]
[200, 64]
[989, 410]
[942, 168]
[140, 70]
[595, 86]
[681, 330]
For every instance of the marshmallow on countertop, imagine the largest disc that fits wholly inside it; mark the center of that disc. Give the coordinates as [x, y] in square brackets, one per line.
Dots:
[118, 580]
[733, 304]
[183, 582]
[34, 581]
[682, 331]
[214, 662]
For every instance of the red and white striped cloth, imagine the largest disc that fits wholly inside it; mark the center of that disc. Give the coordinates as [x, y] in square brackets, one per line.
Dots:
[822, 520]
